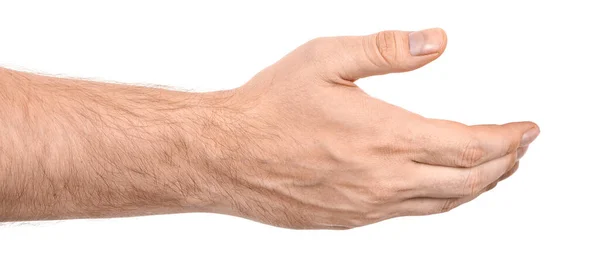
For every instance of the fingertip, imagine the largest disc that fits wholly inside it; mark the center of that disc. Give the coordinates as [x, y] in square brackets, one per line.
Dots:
[528, 131]
[523, 126]
[529, 136]
[444, 40]
[532, 124]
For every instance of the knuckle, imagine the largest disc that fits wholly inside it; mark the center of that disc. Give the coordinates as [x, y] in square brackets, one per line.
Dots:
[317, 41]
[317, 46]
[473, 183]
[471, 154]
[387, 46]
[514, 168]
[512, 145]
[448, 205]
[491, 186]
[513, 158]
[510, 172]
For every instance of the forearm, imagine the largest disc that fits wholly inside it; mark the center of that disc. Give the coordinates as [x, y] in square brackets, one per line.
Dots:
[74, 149]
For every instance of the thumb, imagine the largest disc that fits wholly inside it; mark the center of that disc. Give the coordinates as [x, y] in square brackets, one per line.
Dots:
[386, 52]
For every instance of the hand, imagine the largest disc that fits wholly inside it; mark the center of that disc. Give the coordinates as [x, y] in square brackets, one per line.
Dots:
[309, 149]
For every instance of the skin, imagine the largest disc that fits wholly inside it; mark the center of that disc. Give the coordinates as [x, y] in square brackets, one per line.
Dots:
[298, 146]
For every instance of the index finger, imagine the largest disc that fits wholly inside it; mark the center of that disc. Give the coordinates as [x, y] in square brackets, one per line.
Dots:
[452, 144]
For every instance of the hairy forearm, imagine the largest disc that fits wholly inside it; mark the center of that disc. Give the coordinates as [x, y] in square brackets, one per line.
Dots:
[74, 149]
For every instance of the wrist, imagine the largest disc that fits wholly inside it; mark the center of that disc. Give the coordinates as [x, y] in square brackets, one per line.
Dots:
[210, 139]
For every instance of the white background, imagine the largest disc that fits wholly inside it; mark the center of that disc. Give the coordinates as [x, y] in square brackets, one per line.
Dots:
[505, 61]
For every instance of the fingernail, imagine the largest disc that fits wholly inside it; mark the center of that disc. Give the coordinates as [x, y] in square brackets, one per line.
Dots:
[426, 41]
[529, 136]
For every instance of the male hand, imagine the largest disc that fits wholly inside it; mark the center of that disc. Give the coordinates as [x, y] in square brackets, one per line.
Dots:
[300, 145]
[309, 149]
